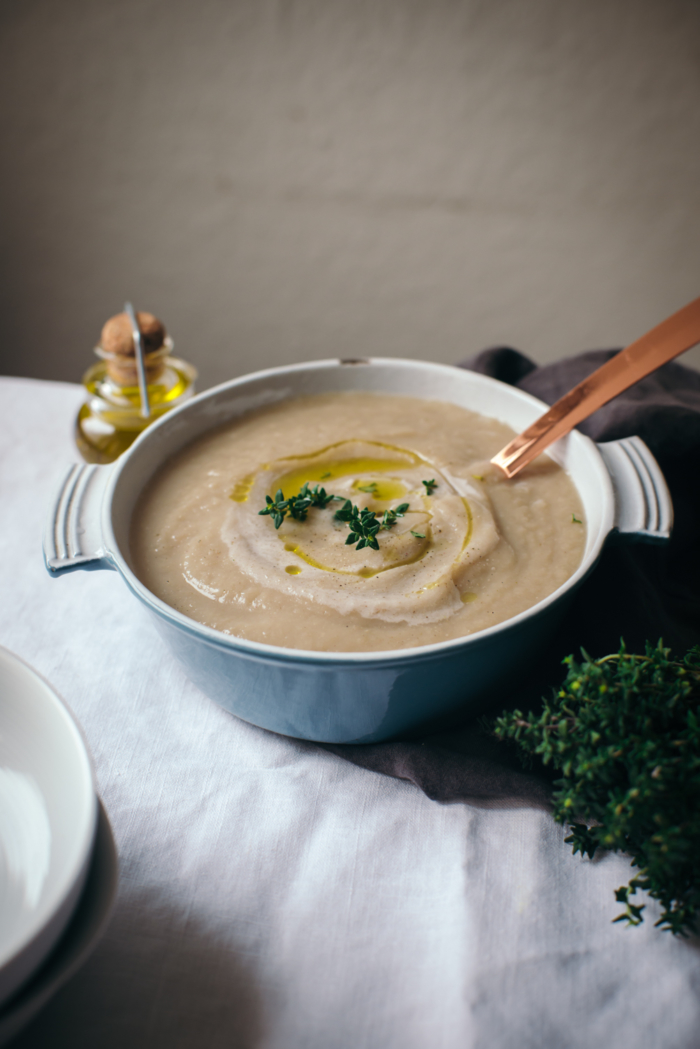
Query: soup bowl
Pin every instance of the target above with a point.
(355, 697)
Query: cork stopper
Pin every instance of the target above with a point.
(117, 344)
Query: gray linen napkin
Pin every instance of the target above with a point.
(637, 592)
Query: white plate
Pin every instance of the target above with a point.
(48, 814)
(78, 941)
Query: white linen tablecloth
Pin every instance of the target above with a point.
(274, 896)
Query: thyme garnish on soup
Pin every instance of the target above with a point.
(364, 524)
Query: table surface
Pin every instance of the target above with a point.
(274, 896)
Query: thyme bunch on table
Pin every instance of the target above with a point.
(625, 733)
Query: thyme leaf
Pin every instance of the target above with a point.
(429, 486)
(390, 517)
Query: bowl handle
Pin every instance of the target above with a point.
(643, 507)
(73, 534)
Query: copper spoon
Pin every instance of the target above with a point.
(675, 335)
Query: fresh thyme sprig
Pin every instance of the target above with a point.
(316, 496)
(429, 486)
(297, 505)
(625, 733)
(363, 525)
(276, 508)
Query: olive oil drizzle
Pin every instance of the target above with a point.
(383, 491)
(330, 470)
(363, 573)
(241, 490)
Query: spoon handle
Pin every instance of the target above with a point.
(675, 335)
(140, 361)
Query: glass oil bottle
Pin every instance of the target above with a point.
(110, 420)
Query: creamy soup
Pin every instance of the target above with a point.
(401, 534)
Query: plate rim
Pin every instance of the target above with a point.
(80, 937)
(51, 921)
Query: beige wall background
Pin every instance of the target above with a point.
(283, 180)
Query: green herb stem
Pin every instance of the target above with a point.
(624, 731)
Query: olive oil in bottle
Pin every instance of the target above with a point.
(110, 420)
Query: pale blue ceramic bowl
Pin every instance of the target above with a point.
(347, 697)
